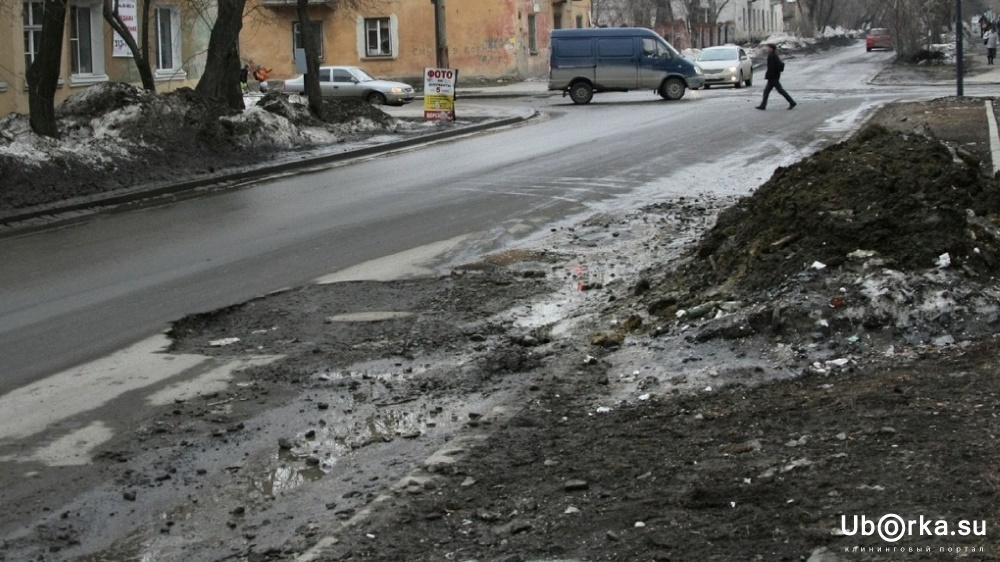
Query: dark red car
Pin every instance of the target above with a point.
(878, 38)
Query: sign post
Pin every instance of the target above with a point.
(439, 94)
(129, 15)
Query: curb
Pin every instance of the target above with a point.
(8, 223)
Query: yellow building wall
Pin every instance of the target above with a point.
(11, 48)
(13, 82)
(485, 38)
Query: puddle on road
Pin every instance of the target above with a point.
(286, 477)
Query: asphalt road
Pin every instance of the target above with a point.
(76, 293)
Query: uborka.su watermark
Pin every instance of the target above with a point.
(891, 527)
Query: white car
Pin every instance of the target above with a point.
(354, 82)
(726, 65)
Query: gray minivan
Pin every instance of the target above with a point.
(619, 59)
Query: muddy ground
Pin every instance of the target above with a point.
(693, 380)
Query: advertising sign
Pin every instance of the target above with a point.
(127, 11)
(439, 94)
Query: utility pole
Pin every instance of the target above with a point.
(440, 34)
(959, 31)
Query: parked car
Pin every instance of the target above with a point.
(354, 82)
(590, 60)
(726, 65)
(878, 38)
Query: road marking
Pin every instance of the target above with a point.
(61, 408)
(403, 265)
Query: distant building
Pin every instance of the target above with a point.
(396, 38)
(710, 22)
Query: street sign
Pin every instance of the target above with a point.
(439, 94)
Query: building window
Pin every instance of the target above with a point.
(167, 26)
(316, 27)
(556, 21)
(80, 59)
(579, 21)
(532, 32)
(378, 40)
(86, 43)
(32, 21)
(166, 36)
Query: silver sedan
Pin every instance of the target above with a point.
(354, 82)
(726, 65)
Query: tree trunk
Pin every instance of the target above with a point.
(43, 74)
(221, 80)
(139, 56)
(310, 82)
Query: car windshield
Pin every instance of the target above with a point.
(717, 54)
(877, 32)
(361, 75)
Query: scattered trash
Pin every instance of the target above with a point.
(943, 261)
(223, 341)
(603, 410)
(818, 265)
(699, 310)
(861, 254)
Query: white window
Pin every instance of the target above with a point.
(86, 45)
(378, 37)
(32, 21)
(81, 60)
(169, 64)
(316, 27)
(378, 40)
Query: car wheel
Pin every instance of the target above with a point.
(672, 89)
(739, 83)
(581, 93)
(376, 98)
(869, 49)
(750, 80)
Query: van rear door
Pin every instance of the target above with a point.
(617, 63)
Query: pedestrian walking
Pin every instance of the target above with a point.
(775, 67)
(991, 44)
(244, 78)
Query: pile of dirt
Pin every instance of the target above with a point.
(900, 195)
(115, 136)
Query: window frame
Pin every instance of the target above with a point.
(297, 36)
(94, 22)
(81, 56)
(532, 34)
(382, 45)
(176, 69)
(361, 28)
(32, 30)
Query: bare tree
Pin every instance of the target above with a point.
(310, 43)
(310, 82)
(43, 74)
(220, 81)
(139, 54)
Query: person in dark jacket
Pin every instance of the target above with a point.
(245, 78)
(773, 76)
